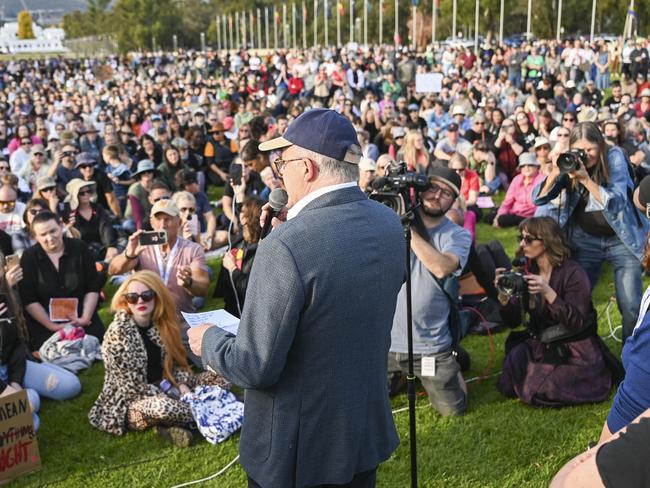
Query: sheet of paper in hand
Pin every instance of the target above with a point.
(63, 309)
(18, 446)
(220, 318)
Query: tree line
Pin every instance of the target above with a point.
(148, 24)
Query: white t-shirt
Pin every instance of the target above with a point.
(12, 222)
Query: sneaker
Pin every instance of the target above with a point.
(177, 436)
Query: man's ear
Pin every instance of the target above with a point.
(311, 170)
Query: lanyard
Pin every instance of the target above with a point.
(166, 271)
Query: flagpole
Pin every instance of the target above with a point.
(476, 26)
(275, 27)
(243, 29)
(351, 20)
(326, 22)
(237, 29)
(381, 22)
(259, 29)
(454, 12)
(230, 31)
(218, 26)
(593, 20)
(396, 20)
(304, 25)
(293, 25)
(338, 23)
(501, 21)
(266, 26)
(285, 42)
(365, 22)
(528, 19)
(252, 30)
(415, 27)
(315, 22)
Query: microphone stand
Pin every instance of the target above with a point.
(407, 218)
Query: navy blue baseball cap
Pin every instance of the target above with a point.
(323, 131)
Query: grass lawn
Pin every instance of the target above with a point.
(498, 443)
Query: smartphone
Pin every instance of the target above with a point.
(153, 238)
(12, 261)
(235, 173)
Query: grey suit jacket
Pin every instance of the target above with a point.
(313, 343)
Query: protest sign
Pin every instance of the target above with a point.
(18, 446)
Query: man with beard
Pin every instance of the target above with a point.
(440, 249)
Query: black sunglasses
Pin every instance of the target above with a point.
(85, 192)
(146, 296)
(528, 239)
(160, 198)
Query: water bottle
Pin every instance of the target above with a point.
(170, 390)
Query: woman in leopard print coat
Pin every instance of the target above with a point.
(141, 347)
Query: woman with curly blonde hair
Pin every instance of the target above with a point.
(143, 355)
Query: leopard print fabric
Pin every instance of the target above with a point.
(127, 400)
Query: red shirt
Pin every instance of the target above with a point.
(295, 85)
(470, 181)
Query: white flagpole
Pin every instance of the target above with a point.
(454, 13)
(365, 22)
(476, 26)
(266, 26)
(237, 29)
(275, 27)
(326, 21)
(293, 25)
(315, 22)
(338, 25)
(593, 21)
(304, 26)
(528, 19)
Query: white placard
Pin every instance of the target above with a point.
(220, 318)
(428, 82)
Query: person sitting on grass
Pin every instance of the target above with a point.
(17, 372)
(58, 267)
(518, 203)
(142, 348)
(559, 359)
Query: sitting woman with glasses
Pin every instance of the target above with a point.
(558, 359)
(24, 239)
(58, 268)
(91, 220)
(146, 370)
(598, 215)
(46, 190)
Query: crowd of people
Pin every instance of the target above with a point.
(549, 137)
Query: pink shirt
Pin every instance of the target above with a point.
(188, 253)
(518, 199)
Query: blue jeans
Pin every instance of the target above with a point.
(591, 252)
(51, 381)
(35, 403)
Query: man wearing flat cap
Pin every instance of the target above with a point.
(313, 340)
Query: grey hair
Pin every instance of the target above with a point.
(183, 195)
(333, 168)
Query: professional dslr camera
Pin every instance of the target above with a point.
(512, 283)
(393, 189)
(569, 161)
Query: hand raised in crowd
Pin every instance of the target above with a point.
(279, 219)
(186, 230)
(133, 248)
(184, 276)
(13, 275)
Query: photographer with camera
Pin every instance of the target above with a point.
(440, 250)
(559, 359)
(599, 218)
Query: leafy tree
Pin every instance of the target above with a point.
(140, 22)
(25, 30)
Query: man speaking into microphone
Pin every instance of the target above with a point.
(313, 341)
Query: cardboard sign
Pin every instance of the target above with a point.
(63, 309)
(428, 82)
(18, 446)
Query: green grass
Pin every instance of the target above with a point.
(498, 443)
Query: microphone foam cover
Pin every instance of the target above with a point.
(278, 199)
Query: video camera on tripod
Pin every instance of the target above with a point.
(394, 189)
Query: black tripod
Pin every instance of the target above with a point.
(407, 218)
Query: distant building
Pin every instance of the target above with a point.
(48, 40)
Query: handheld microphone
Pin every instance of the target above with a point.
(278, 200)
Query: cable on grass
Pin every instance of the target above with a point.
(212, 476)
(612, 330)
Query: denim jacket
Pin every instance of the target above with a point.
(617, 207)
